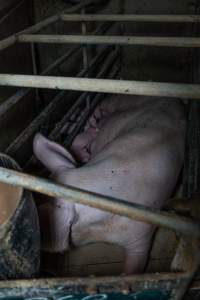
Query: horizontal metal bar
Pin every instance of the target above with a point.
(93, 104)
(131, 18)
(111, 40)
(14, 99)
(107, 64)
(41, 288)
(49, 109)
(123, 208)
(146, 88)
(56, 132)
(44, 23)
(7, 42)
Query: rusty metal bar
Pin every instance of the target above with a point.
(131, 18)
(38, 121)
(180, 90)
(37, 27)
(123, 208)
(7, 42)
(111, 40)
(107, 284)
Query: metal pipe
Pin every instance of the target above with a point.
(94, 102)
(5, 43)
(123, 208)
(177, 90)
(131, 18)
(35, 69)
(85, 50)
(111, 40)
(45, 288)
(13, 100)
(38, 121)
(11, 11)
(10, 102)
(107, 63)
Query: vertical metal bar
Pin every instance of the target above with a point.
(85, 53)
(35, 69)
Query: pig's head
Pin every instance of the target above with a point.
(52, 155)
(57, 215)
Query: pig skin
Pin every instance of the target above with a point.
(136, 155)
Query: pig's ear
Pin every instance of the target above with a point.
(52, 155)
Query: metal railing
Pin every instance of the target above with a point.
(187, 227)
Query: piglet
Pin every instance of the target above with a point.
(136, 154)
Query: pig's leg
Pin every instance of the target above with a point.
(136, 259)
(138, 247)
(56, 218)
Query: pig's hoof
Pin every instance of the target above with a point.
(19, 230)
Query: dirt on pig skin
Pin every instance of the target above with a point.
(136, 154)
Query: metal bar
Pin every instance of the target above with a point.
(10, 102)
(13, 100)
(38, 121)
(85, 50)
(55, 133)
(123, 208)
(180, 90)
(7, 42)
(131, 18)
(41, 25)
(107, 284)
(102, 28)
(106, 66)
(37, 27)
(35, 68)
(11, 11)
(84, 118)
(111, 40)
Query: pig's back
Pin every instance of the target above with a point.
(137, 154)
(133, 117)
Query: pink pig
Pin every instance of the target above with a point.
(136, 154)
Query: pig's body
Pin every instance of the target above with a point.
(136, 155)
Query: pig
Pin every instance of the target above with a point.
(136, 155)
